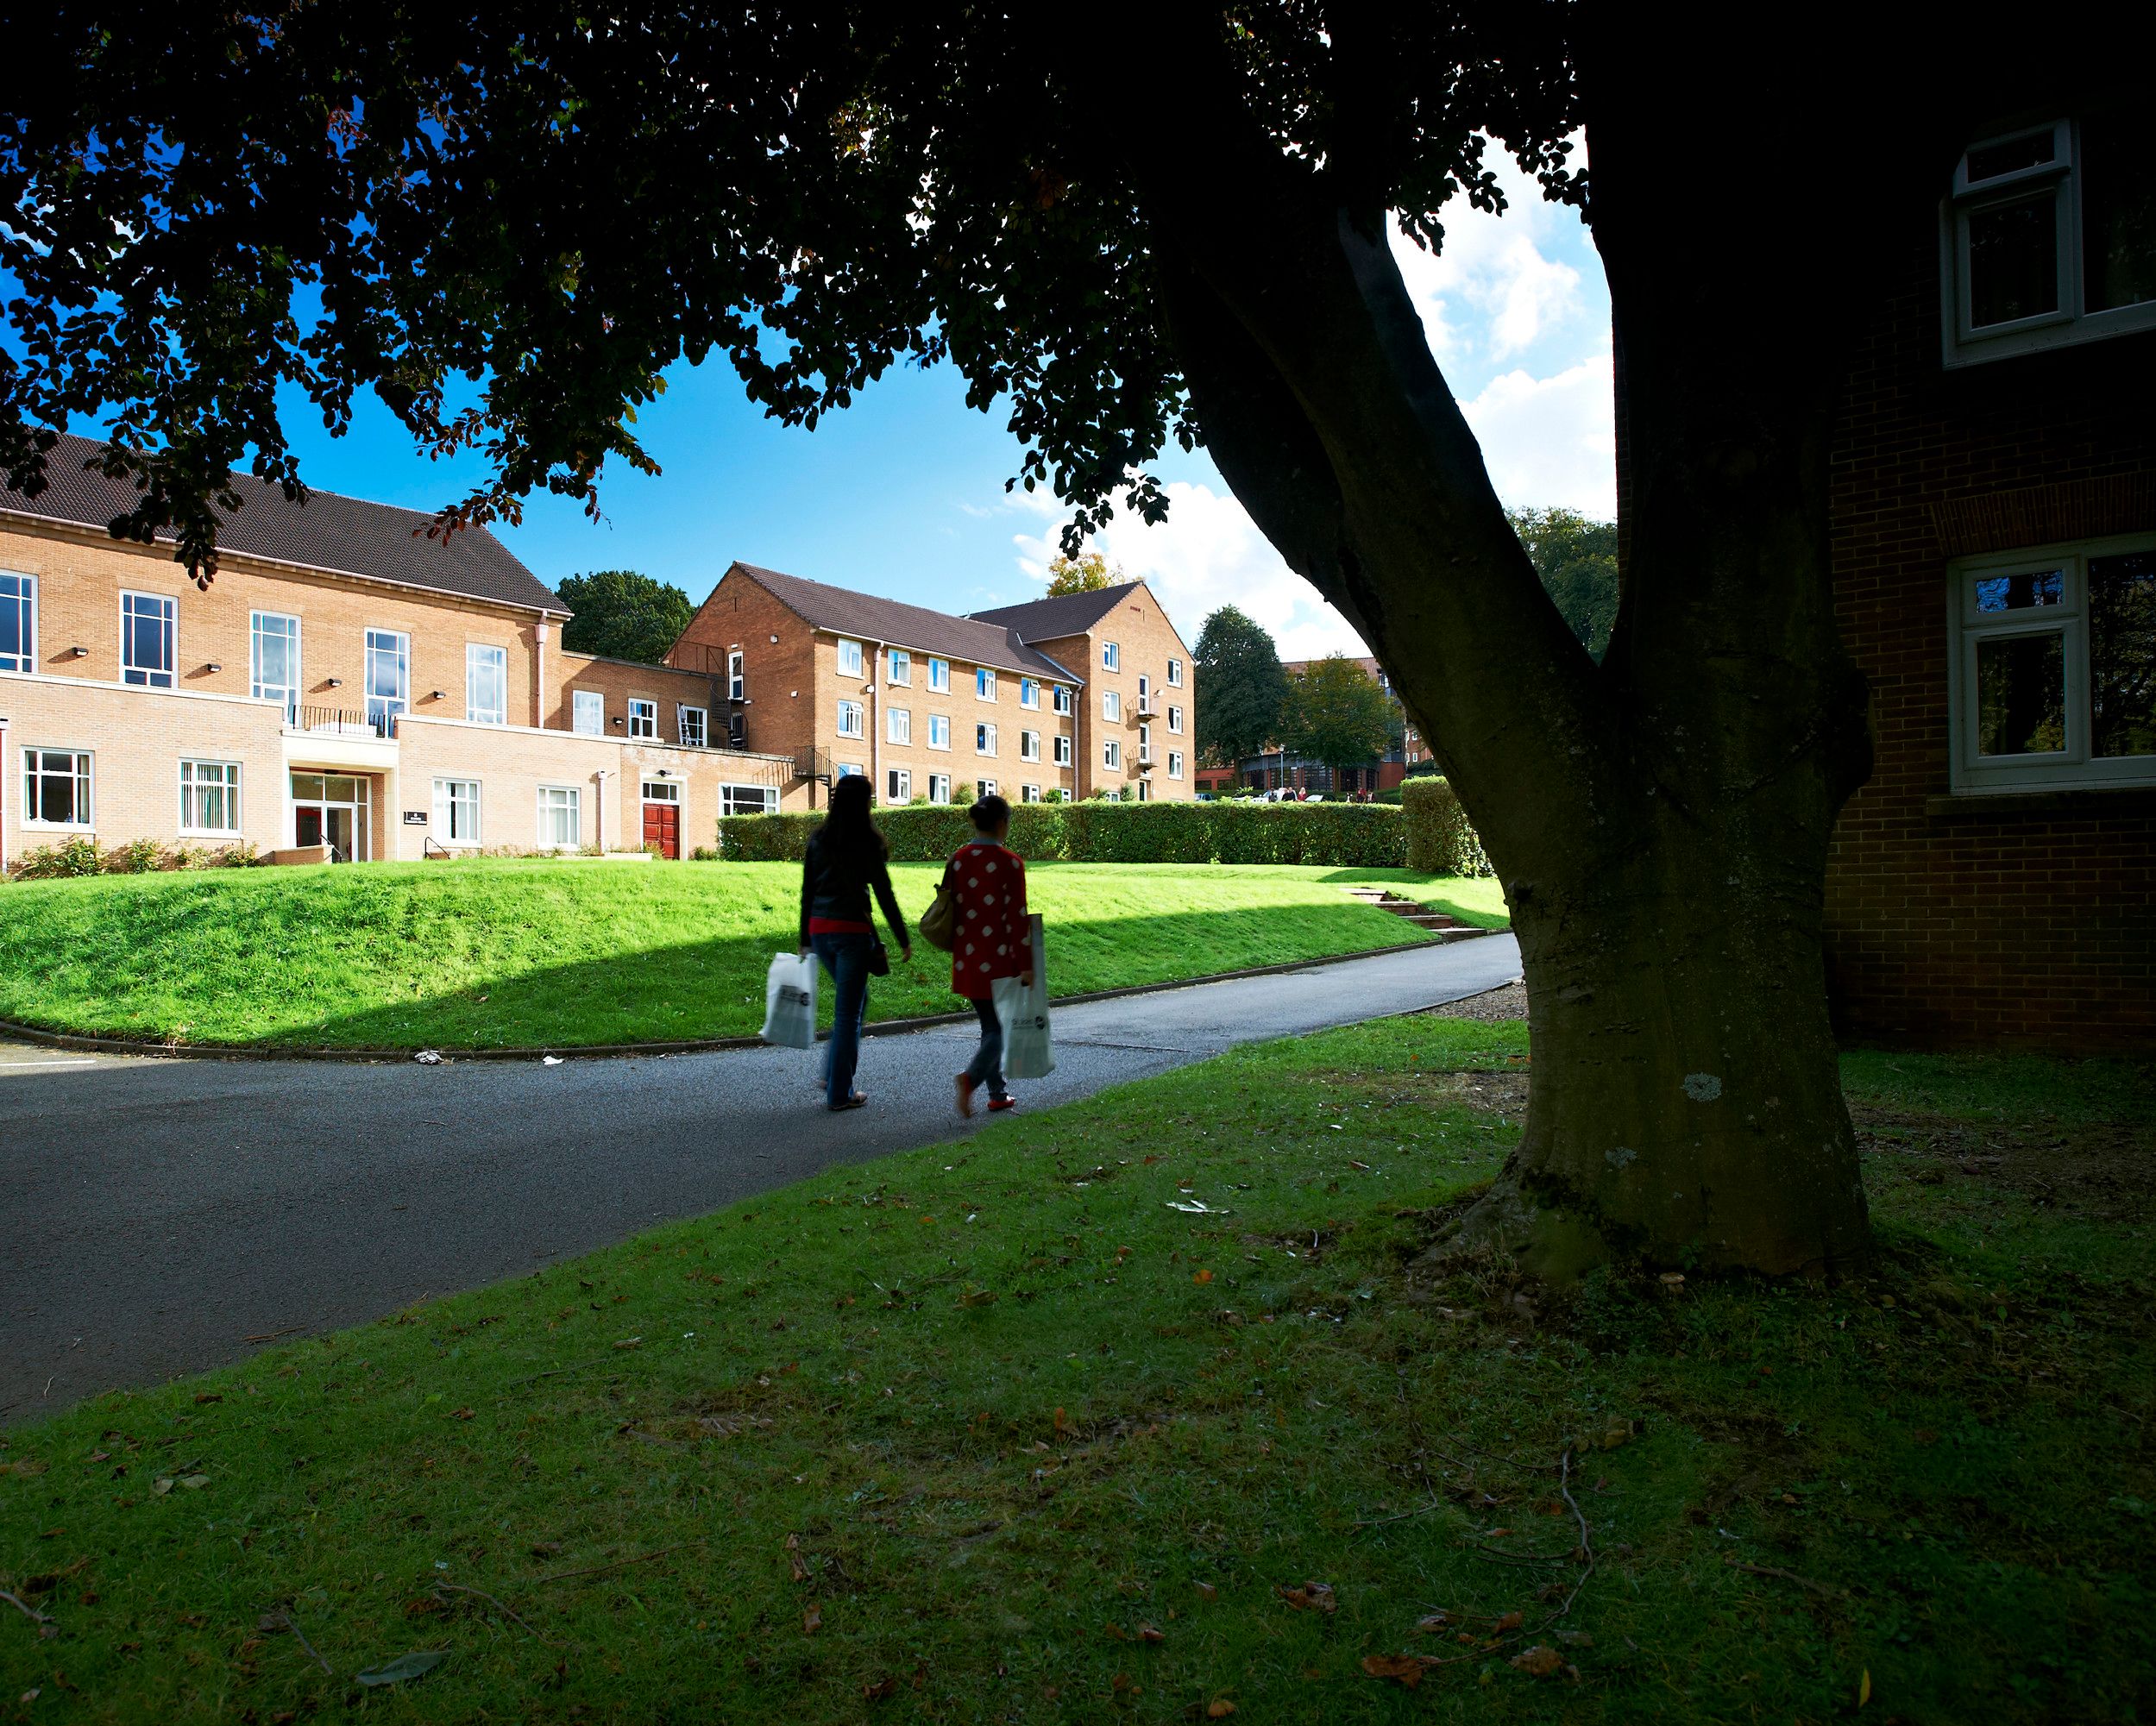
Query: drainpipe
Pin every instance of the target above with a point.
(538, 674)
(873, 714)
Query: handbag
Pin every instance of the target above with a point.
(939, 924)
(879, 957)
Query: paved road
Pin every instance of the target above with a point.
(160, 1215)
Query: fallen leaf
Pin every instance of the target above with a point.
(417, 1663)
(1406, 1669)
(1219, 1708)
(460, 1415)
(1201, 1276)
(629, 1342)
(1510, 1620)
(194, 1483)
(1150, 1633)
(811, 1619)
(1311, 1597)
(1540, 1661)
(209, 1396)
(882, 1689)
(161, 1487)
(1207, 1591)
(1433, 1624)
(1352, 1164)
(793, 1557)
(1864, 1688)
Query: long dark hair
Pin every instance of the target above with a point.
(848, 834)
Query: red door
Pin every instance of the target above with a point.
(662, 828)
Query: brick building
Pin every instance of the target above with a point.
(1993, 515)
(1275, 768)
(1026, 701)
(346, 687)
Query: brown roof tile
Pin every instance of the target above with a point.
(845, 612)
(1059, 614)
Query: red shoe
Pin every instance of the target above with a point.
(996, 1105)
(967, 1087)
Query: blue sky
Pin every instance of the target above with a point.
(902, 494)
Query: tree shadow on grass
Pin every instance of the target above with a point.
(1411, 884)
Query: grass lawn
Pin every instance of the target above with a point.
(495, 954)
(1015, 1431)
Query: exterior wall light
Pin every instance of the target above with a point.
(82, 653)
(213, 667)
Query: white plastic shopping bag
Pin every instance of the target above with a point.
(789, 1001)
(1023, 1012)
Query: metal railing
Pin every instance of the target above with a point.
(340, 722)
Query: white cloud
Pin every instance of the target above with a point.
(1551, 440)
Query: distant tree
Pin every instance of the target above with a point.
(623, 615)
(1085, 573)
(1576, 559)
(1240, 687)
(1335, 712)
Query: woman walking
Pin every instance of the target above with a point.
(993, 939)
(847, 859)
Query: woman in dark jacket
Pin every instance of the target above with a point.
(847, 859)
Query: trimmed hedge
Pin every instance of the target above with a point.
(1439, 839)
(1332, 835)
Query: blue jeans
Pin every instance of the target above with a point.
(987, 1065)
(846, 958)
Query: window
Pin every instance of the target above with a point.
(1111, 706)
(18, 623)
(209, 796)
(1111, 656)
(850, 770)
(644, 719)
(850, 719)
(457, 811)
(588, 709)
(1029, 746)
(899, 788)
(1029, 794)
(1175, 674)
(939, 730)
(748, 800)
(1175, 763)
(2049, 237)
(985, 739)
(1175, 721)
(662, 790)
(849, 659)
(983, 684)
(149, 645)
(940, 676)
(1028, 692)
(272, 660)
(898, 724)
(1063, 752)
(560, 817)
(1145, 792)
(737, 679)
(901, 675)
(2053, 679)
(984, 788)
(388, 678)
(486, 684)
(1145, 694)
(693, 726)
(1112, 753)
(1063, 698)
(56, 787)
(1145, 742)
(938, 787)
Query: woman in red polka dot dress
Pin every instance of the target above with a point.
(993, 939)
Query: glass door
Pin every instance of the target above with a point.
(333, 809)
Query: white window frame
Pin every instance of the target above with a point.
(1029, 746)
(257, 638)
(392, 647)
(852, 770)
(2072, 768)
(1112, 706)
(983, 738)
(939, 730)
(163, 608)
(84, 774)
(1111, 655)
(1145, 740)
(938, 787)
(449, 794)
(1175, 674)
(480, 657)
(1175, 722)
(985, 787)
(1112, 753)
(737, 675)
(1062, 751)
(850, 661)
(899, 784)
(1030, 692)
(661, 791)
(898, 724)
(733, 800)
(939, 677)
(984, 683)
(2059, 177)
(1029, 794)
(591, 703)
(644, 719)
(852, 719)
(190, 781)
(682, 712)
(24, 599)
(1175, 763)
(574, 807)
(899, 669)
(1063, 698)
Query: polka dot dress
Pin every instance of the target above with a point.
(994, 932)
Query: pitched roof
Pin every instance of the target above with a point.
(844, 612)
(1059, 614)
(337, 535)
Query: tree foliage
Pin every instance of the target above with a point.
(1337, 712)
(1241, 687)
(1087, 573)
(623, 615)
(1576, 559)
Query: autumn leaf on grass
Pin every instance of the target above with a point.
(405, 1667)
(1407, 1669)
(1510, 1620)
(462, 1414)
(1201, 1275)
(1540, 1661)
(811, 1619)
(1311, 1597)
(793, 1557)
(1207, 1591)
(1434, 1624)
(1219, 1708)
(1150, 1633)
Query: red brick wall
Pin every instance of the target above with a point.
(2005, 921)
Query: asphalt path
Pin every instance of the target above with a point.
(164, 1216)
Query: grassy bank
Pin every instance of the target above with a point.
(499, 954)
(1013, 1431)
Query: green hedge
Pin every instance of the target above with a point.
(1439, 839)
(1333, 835)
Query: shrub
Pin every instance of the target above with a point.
(1439, 839)
(136, 856)
(240, 854)
(54, 862)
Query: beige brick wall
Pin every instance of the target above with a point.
(780, 684)
(1146, 641)
(618, 681)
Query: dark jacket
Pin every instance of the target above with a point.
(837, 889)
